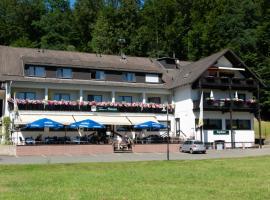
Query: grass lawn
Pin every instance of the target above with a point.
(245, 178)
(265, 129)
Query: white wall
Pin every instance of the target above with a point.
(184, 109)
(240, 135)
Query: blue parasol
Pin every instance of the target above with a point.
(44, 122)
(88, 123)
(150, 125)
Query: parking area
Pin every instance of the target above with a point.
(117, 157)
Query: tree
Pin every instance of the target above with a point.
(16, 22)
(103, 36)
(85, 16)
(56, 25)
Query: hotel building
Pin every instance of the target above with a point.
(122, 91)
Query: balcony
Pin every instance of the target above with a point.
(224, 83)
(224, 105)
(89, 106)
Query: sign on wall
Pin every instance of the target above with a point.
(221, 132)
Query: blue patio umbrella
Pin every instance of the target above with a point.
(44, 122)
(150, 125)
(88, 123)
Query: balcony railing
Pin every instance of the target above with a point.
(224, 82)
(89, 106)
(224, 105)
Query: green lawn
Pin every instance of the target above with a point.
(265, 129)
(245, 178)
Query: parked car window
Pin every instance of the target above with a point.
(198, 142)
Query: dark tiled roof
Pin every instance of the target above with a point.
(13, 58)
(188, 74)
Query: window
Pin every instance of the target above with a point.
(177, 126)
(238, 124)
(212, 72)
(151, 78)
(26, 95)
(99, 75)
(154, 100)
(226, 74)
(64, 73)
(61, 96)
(242, 96)
(129, 77)
(206, 95)
(165, 123)
(37, 71)
(96, 98)
(127, 99)
(211, 124)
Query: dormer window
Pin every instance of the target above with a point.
(64, 73)
(98, 75)
(37, 71)
(129, 77)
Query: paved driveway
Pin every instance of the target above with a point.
(116, 157)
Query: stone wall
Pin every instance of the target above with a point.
(7, 150)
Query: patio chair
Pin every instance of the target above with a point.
(22, 142)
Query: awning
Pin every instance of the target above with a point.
(139, 120)
(28, 118)
(68, 119)
(106, 120)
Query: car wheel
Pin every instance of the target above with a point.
(191, 151)
(204, 152)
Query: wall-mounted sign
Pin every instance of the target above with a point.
(221, 132)
(107, 109)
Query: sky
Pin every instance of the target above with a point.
(72, 2)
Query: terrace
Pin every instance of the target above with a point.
(89, 106)
(225, 82)
(224, 105)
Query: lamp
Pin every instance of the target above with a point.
(166, 108)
